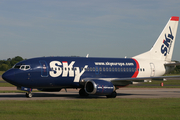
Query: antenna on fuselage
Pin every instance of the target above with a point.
(87, 55)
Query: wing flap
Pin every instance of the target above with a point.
(144, 78)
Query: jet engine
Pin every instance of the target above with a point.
(99, 87)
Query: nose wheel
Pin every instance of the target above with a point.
(29, 94)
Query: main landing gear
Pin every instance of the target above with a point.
(83, 93)
(29, 94)
(112, 95)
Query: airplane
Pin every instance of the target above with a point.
(96, 76)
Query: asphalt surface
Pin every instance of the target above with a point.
(72, 94)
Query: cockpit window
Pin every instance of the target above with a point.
(25, 67)
(22, 67)
(17, 66)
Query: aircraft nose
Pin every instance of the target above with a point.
(8, 76)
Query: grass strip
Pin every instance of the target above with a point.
(1, 72)
(128, 109)
(5, 84)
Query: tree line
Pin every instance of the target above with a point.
(9, 63)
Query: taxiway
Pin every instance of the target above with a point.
(73, 94)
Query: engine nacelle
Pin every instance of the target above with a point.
(99, 87)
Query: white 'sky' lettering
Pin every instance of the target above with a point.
(66, 70)
(166, 46)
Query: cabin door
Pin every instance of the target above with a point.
(152, 69)
(44, 68)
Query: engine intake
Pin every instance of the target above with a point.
(99, 87)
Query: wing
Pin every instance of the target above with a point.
(127, 81)
(119, 81)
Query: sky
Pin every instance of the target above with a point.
(100, 28)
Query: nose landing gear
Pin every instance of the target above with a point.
(29, 94)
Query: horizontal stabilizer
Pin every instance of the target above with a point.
(172, 64)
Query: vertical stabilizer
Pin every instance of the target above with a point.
(163, 47)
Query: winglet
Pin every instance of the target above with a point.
(174, 18)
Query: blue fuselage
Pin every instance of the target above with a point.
(56, 72)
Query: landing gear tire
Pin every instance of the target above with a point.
(29, 94)
(83, 93)
(112, 95)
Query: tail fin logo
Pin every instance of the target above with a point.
(167, 42)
